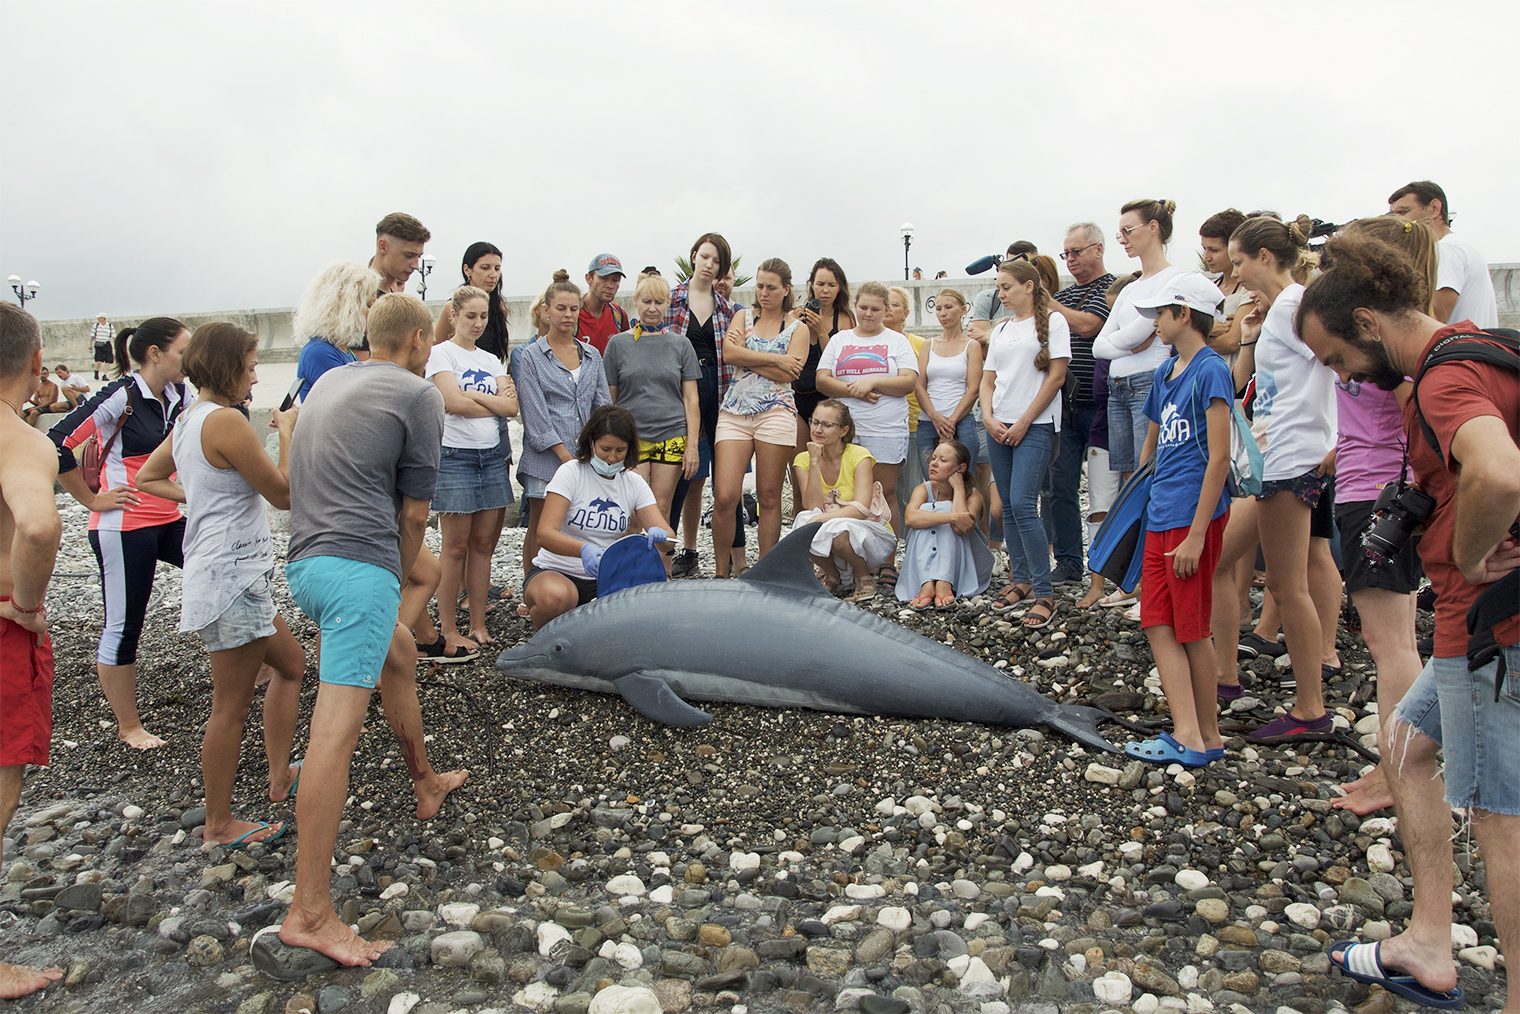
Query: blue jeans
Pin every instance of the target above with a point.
(1061, 507)
(1127, 424)
(1457, 710)
(1018, 472)
(928, 440)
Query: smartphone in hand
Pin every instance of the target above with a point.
(290, 395)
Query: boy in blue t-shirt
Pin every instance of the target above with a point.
(1189, 409)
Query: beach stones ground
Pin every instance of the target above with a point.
(773, 861)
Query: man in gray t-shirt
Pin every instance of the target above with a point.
(364, 460)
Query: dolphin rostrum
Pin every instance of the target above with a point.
(775, 638)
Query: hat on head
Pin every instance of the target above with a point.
(1191, 289)
(606, 264)
(102, 314)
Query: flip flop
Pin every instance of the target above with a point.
(500, 593)
(1166, 750)
(944, 603)
(920, 602)
(290, 795)
(440, 652)
(243, 842)
(1364, 963)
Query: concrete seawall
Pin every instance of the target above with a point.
(67, 341)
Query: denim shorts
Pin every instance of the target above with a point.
(534, 488)
(250, 617)
(1127, 424)
(354, 604)
(1456, 709)
(472, 479)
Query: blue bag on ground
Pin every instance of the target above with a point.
(629, 561)
(1118, 550)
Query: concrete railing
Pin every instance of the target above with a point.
(67, 341)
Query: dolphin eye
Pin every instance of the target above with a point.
(559, 646)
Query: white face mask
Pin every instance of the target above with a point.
(606, 469)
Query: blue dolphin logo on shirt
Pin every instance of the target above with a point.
(477, 380)
(603, 506)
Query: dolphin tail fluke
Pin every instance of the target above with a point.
(653, 698)
(1081, 724)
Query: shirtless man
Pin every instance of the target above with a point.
(45, 398)
(29, 534)
(363, 463)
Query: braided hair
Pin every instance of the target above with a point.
(1021, 272)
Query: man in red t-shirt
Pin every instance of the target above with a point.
(601, 318)
(1367, 321)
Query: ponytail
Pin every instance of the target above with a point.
(1288, 242)
(1159, 212)
(133, 343)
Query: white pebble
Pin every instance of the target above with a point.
(662, 895)
(131, 812)
(1113, 988)
(625, 1000)
(402, 1003)
(894, 918)
(458, 913)
(549, 934)
(741, 861)
(1463, 936)
(841, 913)
(1191, 880)
(1302, 914)
(864, 892)
(1146, 1004)
(1380, 858)
(974, 921)
(965, 889)
(1058, 873)
(628, 956)
(618, 742)
(919, 805)
(540, 996)
(626, 884)
(396, 890)
(1483, 957)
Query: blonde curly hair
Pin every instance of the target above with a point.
(336, 305)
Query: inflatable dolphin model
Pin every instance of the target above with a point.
(775, 638)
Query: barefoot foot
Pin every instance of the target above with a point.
(456, 641)
(481, 637)
(1367, 794)
(141, 739)
(333, 939)
(19, 980)
(431, 791)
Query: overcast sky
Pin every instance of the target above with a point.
(167, 156)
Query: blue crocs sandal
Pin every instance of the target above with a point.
(1215, 754)
(1166, 750)
(1364, 963)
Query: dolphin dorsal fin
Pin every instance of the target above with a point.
(788, 565)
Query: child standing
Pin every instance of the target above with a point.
(1189, 412)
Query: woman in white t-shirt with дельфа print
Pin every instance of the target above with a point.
(473, 488)
(587, 507)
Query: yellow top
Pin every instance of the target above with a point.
(854, 454)
(918, 344)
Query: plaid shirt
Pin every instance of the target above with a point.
(679, 316)
(555, 405)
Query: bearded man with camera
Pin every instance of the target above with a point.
(1363, 318)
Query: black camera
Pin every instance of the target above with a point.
(1400, 509)
(813, 305)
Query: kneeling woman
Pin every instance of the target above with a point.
(947, 555)
(587, 506)
(225, 477)
(838, 490)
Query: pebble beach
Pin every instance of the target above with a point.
(775, 860)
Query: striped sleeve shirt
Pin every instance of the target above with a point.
(101, 334)
(1089, 298)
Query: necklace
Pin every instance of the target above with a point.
(19, 413)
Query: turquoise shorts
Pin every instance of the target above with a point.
(355, 606)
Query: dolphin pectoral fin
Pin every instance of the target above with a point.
(653, 698)
(789, 566)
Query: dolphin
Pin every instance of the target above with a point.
(775, 638)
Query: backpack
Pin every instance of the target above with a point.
(1246, 461)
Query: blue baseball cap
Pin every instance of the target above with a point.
(606, 264)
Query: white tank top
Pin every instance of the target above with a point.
(227, 542)
(945, 379)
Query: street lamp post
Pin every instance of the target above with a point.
(23, 292)
(907, 235)
(425, 269)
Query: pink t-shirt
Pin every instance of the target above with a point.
(1370, 451)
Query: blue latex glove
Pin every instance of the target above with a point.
(657, 537)
(591, 559)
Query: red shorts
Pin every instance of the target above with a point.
(26, 695)
(1167, 600)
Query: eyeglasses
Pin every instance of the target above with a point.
(822, 425)
(1067, 255)
(1125, 230)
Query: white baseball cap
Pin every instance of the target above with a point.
(1191, 289)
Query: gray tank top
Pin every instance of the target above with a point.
(227, 541)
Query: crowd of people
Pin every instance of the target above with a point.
(984, 436)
